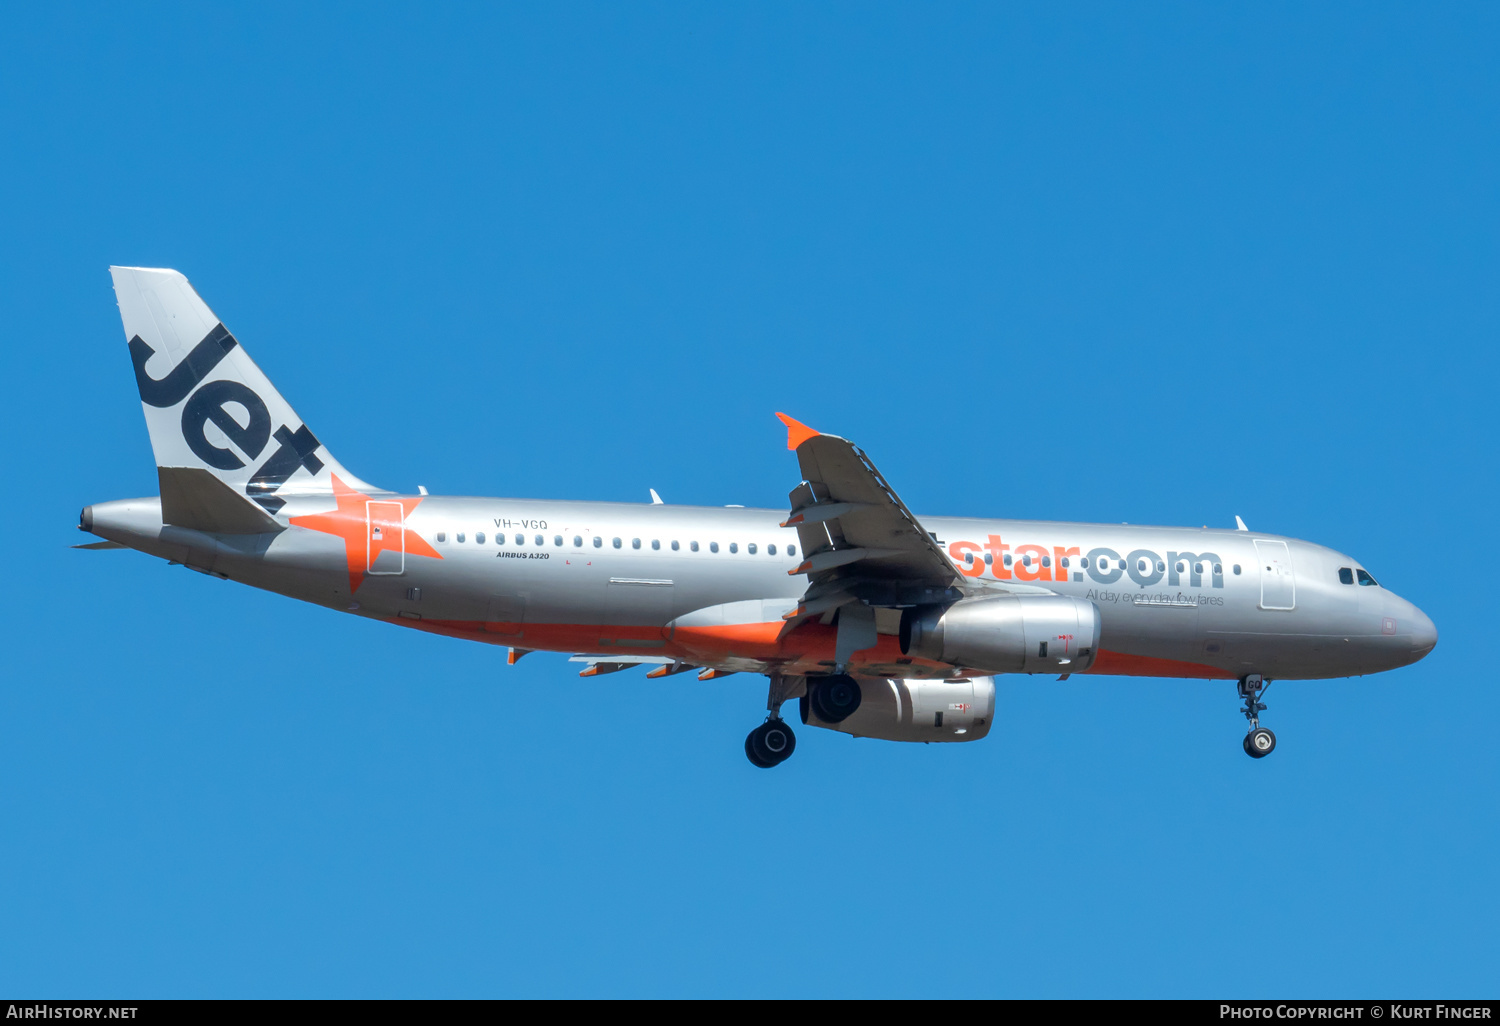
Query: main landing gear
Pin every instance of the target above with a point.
(832, 698)
(1259, 742)
(773, 742)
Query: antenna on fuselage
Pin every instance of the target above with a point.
(1239, 525)
(655, 499)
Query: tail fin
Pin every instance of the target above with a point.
(208, 407)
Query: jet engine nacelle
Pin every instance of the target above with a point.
(1006, 634)
(917, 710)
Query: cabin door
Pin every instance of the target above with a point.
(385, 538)
(1278, 588)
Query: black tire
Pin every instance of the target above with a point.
(770, 744)
(835, 698)
(751, 753)
(777, 740)
(1260, 743)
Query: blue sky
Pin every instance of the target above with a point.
(1149, 263)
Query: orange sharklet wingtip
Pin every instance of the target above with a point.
(796, 431)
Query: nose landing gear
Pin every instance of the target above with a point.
(1259, 742)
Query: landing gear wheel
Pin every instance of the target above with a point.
(770, 744)
(1260, 743)
(834, 698)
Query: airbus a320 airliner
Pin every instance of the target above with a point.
(881, 624)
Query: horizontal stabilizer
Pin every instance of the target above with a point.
(196, 499)
(102, 545)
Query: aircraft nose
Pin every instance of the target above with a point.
(1423, 633)
(1411, 621)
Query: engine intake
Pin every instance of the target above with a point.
(1006, 634)
(917, 710)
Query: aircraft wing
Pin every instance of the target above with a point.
(858, 538)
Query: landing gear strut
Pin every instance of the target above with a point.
(773, 742)
(1259, 742)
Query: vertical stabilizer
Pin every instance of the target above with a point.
(208, 406)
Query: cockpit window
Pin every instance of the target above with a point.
(1366, 580)
(1346, 575)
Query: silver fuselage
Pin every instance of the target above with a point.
(702, 584)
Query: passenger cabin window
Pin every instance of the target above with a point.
(791, 550)
(1007, 559)
(635, 543)
(656, 543)
(989, 558)
(734, 546)
(459, 537)
(578, 541)
(499, 539)
(598, 541)
(1084, 562)
(1236, 569)
(520, 539)
(557, 539)
(693, 546)
(770, 550)
(713, 546)
(675, 546)
(1366, 580)
(442, 536)
(1346, 575)
(616, 543)
(540, 540)
(478, 537)
(1046, 561)
(750, 548)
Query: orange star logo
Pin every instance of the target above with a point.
(368, 527)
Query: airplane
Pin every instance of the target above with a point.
(880, 624)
